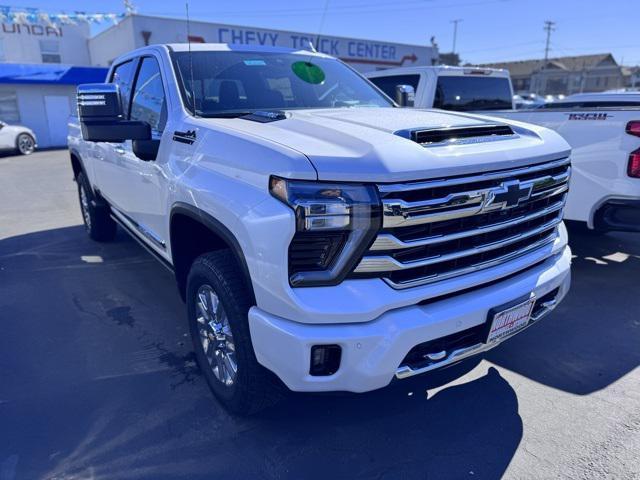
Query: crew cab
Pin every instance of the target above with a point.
(603, 130)
(321, 237)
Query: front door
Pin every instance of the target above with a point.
(145, 205)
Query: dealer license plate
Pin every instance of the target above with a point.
(507, 322)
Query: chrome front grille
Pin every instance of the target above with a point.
(443, 228)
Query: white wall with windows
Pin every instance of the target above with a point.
(68, 44)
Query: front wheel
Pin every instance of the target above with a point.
(218, 302)
(25, 144)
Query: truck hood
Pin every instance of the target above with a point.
(361, 144)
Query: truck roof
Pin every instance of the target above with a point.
(228, 47)
(442, 70)
(603, 97)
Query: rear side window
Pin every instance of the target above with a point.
(463, 94)
(388, 84)
(123, 77)
(149, 102)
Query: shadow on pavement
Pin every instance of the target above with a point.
(98, 379)
(591, 340)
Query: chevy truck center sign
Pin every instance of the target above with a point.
(364, 55)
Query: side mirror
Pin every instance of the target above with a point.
(405, 95)
(101, 116)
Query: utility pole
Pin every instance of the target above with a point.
(549, 27)
(455, 33)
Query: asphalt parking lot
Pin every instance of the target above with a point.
(97, 377)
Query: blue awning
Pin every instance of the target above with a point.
(50, 73)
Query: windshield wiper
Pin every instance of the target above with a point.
(226, 114)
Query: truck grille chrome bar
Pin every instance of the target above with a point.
(440, 229)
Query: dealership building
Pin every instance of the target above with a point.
(40, 65)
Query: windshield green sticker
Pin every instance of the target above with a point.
(308, 72)
(253, 63)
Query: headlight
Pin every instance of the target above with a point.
(335, 224)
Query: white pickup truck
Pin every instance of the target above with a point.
(602, 129)
(316, 231)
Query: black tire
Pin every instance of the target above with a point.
(97, 221)
(25, 144)
(254, 387)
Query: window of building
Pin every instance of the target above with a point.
(9, 112)
(50, 51)
(2, 59)
(149, 103)
(388, 84)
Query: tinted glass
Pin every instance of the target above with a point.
(123, 77)
(388, 84)
(248, 81)
(149, 102)
(472, 93)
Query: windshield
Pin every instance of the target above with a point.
(463, 94)
(242, 82)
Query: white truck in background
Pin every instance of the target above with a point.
(602, 129)
(317, 233)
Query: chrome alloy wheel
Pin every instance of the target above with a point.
(215, 335)
(25, 144)
(84, 206)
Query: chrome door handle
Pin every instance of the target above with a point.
(119, 150)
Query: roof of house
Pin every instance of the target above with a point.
(527, 67)
(50, 73)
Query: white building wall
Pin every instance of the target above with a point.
(364, 55)
(34, 114)
(24, 43)
(112, 42)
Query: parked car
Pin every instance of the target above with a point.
(321, 237)
(603, 130)
(18, 138)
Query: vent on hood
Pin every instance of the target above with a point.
(458, 135)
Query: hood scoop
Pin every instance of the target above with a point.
(432, 137)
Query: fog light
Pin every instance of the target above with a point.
(325, 360)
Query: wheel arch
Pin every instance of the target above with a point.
(193, 232)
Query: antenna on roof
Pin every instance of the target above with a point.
(193, 85)
(320, 27)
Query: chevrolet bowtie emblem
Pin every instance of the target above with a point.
(508, 194)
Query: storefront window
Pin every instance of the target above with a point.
(9, 112)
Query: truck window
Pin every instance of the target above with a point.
(123, 77)
(467, 93)
(149, 102)
(228, 82)
(388, 84)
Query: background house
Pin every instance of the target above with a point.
(565, 75)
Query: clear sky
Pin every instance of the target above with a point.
(489, 31)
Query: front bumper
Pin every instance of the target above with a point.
(372, 352)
